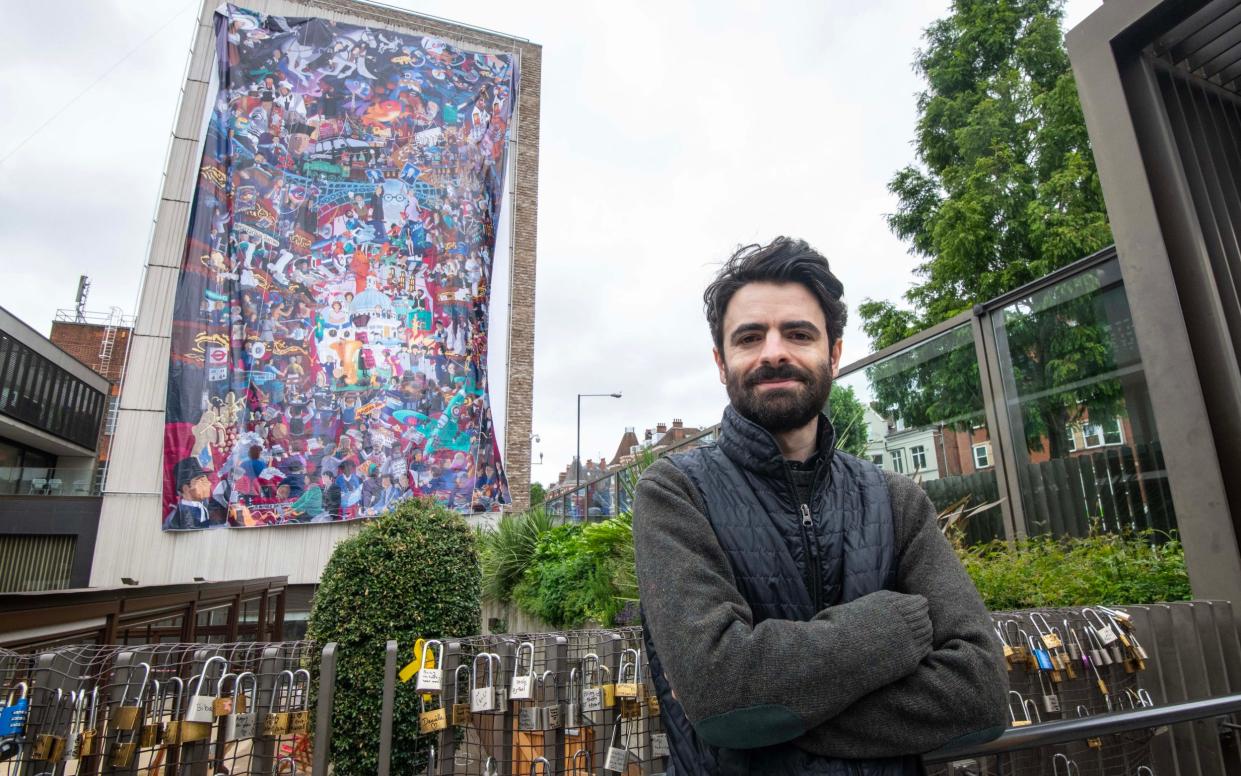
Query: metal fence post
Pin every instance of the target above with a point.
(385, 714)
(323, 712)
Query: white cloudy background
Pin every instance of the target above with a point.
(671, 132)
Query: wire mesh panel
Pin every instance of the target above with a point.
(160, 709)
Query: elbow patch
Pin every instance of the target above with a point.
(751, 727)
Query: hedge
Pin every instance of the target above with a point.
(412, 572)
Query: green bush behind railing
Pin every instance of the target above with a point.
(578, 574)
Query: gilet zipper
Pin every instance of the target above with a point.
(809, 540)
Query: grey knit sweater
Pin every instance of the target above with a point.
(892, 673)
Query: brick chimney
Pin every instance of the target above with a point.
(661, 428)
(676, 423)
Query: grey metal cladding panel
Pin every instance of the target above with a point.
(1197, 686)
(1191, 35)
(1209, 634)
(1183, 746)
(1229, 651)
(1152, 680)
(171, 225)
(204, 53)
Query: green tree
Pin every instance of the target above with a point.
(848, 418)
(1004, 190)
(537, 494)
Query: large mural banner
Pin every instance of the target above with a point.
(329, 341)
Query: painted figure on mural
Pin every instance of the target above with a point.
(338, 264)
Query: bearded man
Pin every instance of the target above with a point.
(803, 613)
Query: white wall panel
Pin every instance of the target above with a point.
(159, 291)
(168, 243)
(151, 393)
(136, 464)
(183, 163)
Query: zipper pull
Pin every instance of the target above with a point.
(805, 516)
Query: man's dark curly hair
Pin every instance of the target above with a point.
(783, 260)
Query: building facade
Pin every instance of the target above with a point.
(131, 541)
(51, 412)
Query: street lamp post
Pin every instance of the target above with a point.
(577, 462)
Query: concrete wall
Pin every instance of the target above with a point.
(130, 540)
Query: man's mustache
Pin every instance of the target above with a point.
(768, 373)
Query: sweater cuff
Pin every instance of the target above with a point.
(913, 609)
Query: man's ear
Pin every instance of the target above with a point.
(837, 348)
(719, 363)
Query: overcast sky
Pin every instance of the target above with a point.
(671, 133)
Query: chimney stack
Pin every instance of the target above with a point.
(676, 423)
(661, 428)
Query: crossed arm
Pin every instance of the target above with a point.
(894, 672)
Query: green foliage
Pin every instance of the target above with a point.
(537, 494)
(411, 572)
(1131, 568)
(508, 550)
(848, 418)
(580, 573)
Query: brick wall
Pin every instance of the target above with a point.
(83, 341)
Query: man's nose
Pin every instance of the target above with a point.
(774, 350)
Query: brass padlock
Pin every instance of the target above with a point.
(460, 710)
(128, 714)
(278, 722)
(174, 687)
(299, 718)
(607, 688)
(50, 746)
(152, 731)
(629, 675)
(431, 720)
(123, 754)
(652, 701)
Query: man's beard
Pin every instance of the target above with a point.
(780, 409)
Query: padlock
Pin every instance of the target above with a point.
(77, 724)
(522, 686)
(222, 706)
(1101, 627)
(431, 720)
(50, 746)
(528, 718)
(127, 715)
(299, 717)
(659, 745)
(1117, 652)
(549, 700)
(460, 710)
(608, 688)
(618, 751)
(501, 694)
(1024, 719)
(89, 740)
(151, 731)
(277, 723)
(1047, 634)
(482, 697)
(13, 715)
(242, 723)
(1069, 769)
(1051, 703)
(629, 675)
(201, 707)
(652, 701)
(582, 763)
(174, 689)
(592, 694)
(573, 700)
(536, 762)
(430, 672)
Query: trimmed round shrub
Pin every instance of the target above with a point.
(411, 573)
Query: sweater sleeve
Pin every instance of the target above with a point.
(744, 685)
(958, 692)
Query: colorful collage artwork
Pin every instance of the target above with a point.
(329, 342)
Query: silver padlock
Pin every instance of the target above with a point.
(550, 717)
(431, 679)
(243, 722)
(659, 745)
(536, 762)
(582, 763)
(528, 718)
(522, 686)
(482, 697)
(618, 751)
(201, 707)
(592, 689)
(573, 700)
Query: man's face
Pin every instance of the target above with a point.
(199, 488)
(776, 364)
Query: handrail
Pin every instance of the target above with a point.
(1063, 731)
